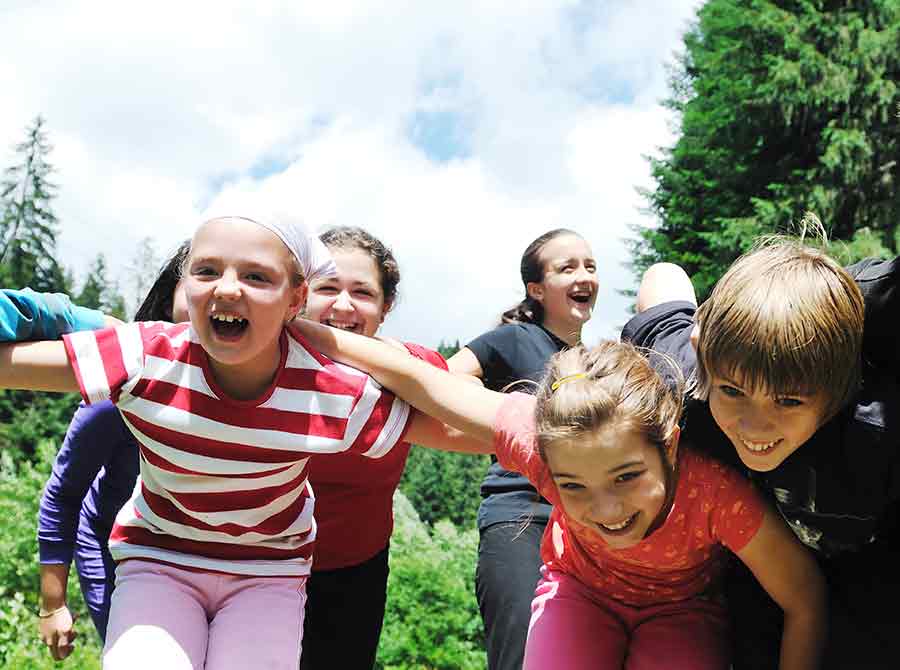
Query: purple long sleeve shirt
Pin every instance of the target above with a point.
(93, 476)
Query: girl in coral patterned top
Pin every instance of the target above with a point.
(640, 530)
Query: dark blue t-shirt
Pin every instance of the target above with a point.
(512, 357)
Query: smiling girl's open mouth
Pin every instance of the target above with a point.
(228, 326)
(582, 297)
(619, 528)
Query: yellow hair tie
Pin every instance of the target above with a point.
(565, 380)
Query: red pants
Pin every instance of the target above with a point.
(575, 627)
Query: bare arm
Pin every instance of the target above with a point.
(664, 282)
(36, 366)
(427, 431)
(466, 363)
(789, 573)
(440, 394)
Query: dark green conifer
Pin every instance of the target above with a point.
(28, 225)
(782, 107)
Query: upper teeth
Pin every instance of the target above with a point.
(343, 326)
(618, 526)
(758, 446)
(227, 317)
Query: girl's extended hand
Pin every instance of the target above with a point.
(57, 632)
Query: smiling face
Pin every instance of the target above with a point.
(353, 299)
(238, 286)
(765, 429)
(613, 482)
(569, 286)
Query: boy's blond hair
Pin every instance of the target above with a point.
(786, 319)
(585, 389)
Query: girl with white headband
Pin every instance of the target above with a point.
(214, 547)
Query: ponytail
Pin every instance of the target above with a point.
(527, 311)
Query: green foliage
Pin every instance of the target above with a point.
(432, 618)
(28, 418)
(28, 226)
(783, 107)
(444, 485)
(100, 292)
(447, 350)
(21, 484)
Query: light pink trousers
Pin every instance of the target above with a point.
(165, 617)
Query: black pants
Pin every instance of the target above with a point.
(864, 614)
(344, 614)
(508, 570)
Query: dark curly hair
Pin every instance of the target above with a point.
(353, 237)
(157, 306)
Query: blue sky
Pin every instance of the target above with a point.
(457, 132)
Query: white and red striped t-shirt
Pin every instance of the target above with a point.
(223, 482)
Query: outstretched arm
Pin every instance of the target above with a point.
(788, 572)
(664, 282)
(442, 395)
(36, 366)
(426, 431)
(29, 315)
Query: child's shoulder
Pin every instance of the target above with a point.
(506, 333)
(517, 409)
(702, 467)
(305, 367)
(157, 334)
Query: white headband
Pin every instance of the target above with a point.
(312, 255)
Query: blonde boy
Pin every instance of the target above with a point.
(785, 381)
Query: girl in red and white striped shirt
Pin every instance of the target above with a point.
(215, 545)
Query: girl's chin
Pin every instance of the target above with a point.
(581, 314)
(621, 542)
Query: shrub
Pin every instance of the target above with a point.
(432, 618)
(21, 484)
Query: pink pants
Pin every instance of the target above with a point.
(575, 627)
(165, 617)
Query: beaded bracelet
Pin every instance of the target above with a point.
(43, 614)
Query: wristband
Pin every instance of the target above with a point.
(44, 614)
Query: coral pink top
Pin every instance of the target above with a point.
(715, 509)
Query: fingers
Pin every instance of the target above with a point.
(57, 633)
(62, 645)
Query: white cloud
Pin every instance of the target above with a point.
(162, 112)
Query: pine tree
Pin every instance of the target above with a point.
(28, 226)
(99, 292)
(783, 107)
(143, 271)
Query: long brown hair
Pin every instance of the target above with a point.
(610, 383)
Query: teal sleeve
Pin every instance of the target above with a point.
(28, 315)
